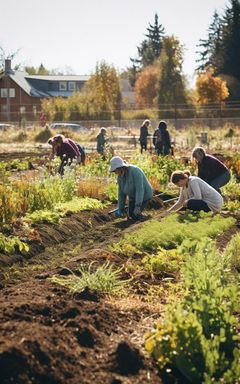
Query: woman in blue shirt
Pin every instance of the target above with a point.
(132, 183)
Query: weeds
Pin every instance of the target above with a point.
(103, 279)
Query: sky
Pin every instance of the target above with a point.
(76, 34)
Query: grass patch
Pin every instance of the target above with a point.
(103, 279)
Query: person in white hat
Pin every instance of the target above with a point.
(132, 183)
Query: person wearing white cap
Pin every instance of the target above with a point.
(132, 183)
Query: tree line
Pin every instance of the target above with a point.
(156, 74)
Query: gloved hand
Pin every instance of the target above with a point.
(118, 213)
(137, 210)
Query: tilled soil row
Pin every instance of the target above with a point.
(49, 336)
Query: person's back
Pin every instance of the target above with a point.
(166, 142)
(101, 140)
(157, 141)
(211, 169)
(82, 153)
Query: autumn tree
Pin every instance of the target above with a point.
(171, 86)
(210, 88)
(103, 92)
(146, 87)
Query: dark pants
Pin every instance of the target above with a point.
(220, 181)
(198, 205)
(143, 145)
(131, 206)
(159, 148)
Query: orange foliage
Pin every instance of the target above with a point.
(146, 87)
(210, 89)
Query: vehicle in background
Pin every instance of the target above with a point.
(4, 127)
(72, 126)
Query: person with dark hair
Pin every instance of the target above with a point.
(66, 149)
(161, 139)
(210, 169)
(132, 183)
(144, 135)
(195, 193)
(166, 141)
(101, 142)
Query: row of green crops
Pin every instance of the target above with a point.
(197, 342)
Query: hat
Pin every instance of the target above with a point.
(117, 162)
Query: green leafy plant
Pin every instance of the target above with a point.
(232, 253)
(173, 230)
(11, 244)
(164, 262)
(197, 341)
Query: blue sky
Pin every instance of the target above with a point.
(80, 33)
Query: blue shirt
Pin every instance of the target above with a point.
(135, 185)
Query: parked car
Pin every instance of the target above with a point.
(4, 127)
(71, 126)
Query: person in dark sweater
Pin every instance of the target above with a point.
(210, 169)
(161, 139)
(144, 135)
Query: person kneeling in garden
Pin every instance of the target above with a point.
(132, 183)
(210, 169)
(195, 193)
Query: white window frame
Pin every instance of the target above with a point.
(12, 92)
(62, 86)
(4, 93)
(72, 86)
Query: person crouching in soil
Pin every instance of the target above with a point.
(195, 194)
(66, 149)
(210, 169)
(132, 183)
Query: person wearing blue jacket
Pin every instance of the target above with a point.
(132, 183)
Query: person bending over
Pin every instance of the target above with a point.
(195, 194)
(132, 183)
(210, 169)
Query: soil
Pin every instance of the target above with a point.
(49, 336)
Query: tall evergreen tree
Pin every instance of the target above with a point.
(172, 87)
(231, 41)
(222, 48)
(149, 50)
(210, 48)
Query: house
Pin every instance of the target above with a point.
(21, 93)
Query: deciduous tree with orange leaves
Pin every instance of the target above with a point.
(210, 88)
(146, 87)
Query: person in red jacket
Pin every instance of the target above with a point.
(210, 169)
(66, 149)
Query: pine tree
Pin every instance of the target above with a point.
(231, 41)
(149, 50)
(211, 47)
